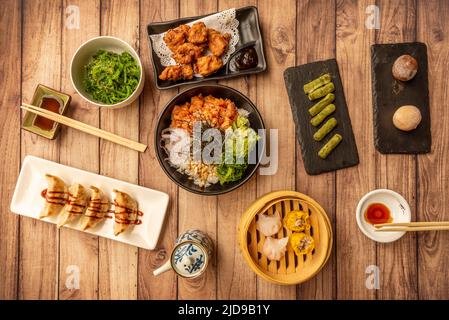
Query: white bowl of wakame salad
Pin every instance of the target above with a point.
(107, 72)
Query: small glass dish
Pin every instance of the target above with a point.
(29, 119)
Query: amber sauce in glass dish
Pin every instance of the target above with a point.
(51, 104)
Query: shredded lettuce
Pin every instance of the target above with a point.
(241, 122)
(243, 140)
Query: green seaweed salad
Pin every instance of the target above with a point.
(111, 77)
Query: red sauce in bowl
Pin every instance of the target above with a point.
(378, 213)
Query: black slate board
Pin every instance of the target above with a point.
(250, 36)
(345, 154)
(389, 94)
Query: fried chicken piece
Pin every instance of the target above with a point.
(187, 53)
(177, 72)
(207, 65)
(198, 33)
(181, 117)
(187, 72)
(217, 42)
(171, 73)
(196, 106)
(176, 37)
(219, 112)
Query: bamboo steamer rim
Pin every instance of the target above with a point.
(262, 204)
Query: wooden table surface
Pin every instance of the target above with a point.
(36, 47)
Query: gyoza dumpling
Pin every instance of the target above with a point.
(75, 206)
(274, 249)
(269, 225)
(55, 196)
(125, 212)
(96, 210)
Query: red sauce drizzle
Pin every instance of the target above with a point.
(378, 213)
(60, 200)
(126, 211)
(72, 202)
(95, 208)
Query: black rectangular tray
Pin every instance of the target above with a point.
(389, 94)
(345, 154)
(249, 32)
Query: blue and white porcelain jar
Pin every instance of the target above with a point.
(190, 256)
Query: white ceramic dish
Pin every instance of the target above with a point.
(399, 209)
(85, 53)
(27, 200)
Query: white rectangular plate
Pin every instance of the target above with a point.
(27, 200)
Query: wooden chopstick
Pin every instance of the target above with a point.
(413, 226)
(430, 228)
(85, 127)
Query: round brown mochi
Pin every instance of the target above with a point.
(405, 68)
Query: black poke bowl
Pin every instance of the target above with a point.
(218, 91)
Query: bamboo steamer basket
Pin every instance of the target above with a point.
(291, 269)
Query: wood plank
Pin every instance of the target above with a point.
(38, 275)
(316, 41)
(355, 252)
(79, 150)
(235, 279)
(433, 182)
(118, 261)
(195, 211)
(10, 49)
(151, 174)
(278, 29)
(397, 172)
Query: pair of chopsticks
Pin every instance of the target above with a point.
(84, 127)
(413, 226)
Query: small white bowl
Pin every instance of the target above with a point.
(399, 210)
(84, 54)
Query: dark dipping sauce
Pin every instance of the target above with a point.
(246, 59)
(51, 104)
(378, 213)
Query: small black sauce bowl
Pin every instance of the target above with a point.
(218, 91)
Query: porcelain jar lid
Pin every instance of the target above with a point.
(189, 259)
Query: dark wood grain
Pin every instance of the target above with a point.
(232, 270)
(151, 175)
(79, 150)
(278, 25)
(41, 63)
(397, 172)
(10, 48)
(355, 252)
(317, 18)
(35, 257)
(118, 261)
(433, 183)
(197, 211)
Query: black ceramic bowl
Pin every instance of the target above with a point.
(218, 91)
